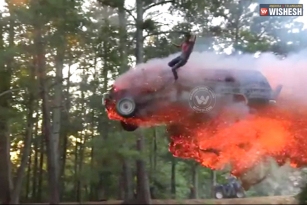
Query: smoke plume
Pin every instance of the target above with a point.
(278, 132)
(290, 72)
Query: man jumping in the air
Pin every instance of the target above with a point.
(186, 50)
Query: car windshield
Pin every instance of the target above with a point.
(223, 75)
(110, 92)
(248, 77)
(105, 97)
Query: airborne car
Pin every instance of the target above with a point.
(139, 106)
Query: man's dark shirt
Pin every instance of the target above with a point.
(187, 48)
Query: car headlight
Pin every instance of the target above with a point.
(105, 96)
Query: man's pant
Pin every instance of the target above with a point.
(175, 64)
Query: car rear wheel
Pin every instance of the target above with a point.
(128, 127)
(126, 107)
(219, 194)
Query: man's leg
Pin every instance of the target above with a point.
(174, 61)
(181, 63)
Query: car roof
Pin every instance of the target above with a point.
(239, 75)
(237, 72)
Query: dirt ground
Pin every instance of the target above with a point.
(252, 200)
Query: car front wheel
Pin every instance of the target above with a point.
(126, 107)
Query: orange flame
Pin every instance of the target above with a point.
(277, 131)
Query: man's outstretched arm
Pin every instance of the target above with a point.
(176, 45)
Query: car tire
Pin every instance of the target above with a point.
(240, 194)
(218, 194)
(126, 107)
(128, 127)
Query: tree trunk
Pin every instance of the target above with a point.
(104, 123)
(62, 175)
(5, 84)
(127, 178)
(122, 38)
(213, 182)
(143, 191)
(120, 190)
(91, 195)
(173, 178)
(80, 167)
(236, 38)
(92, 128)
(5, 165)
(57, 109)
(52, 162)
(194, 189)
(29, 174)
(155, 154)
(76, 171)
(126, 172)
(139, 51)
(27, 146)
(41, 169)
(65, 133)
(35, 166)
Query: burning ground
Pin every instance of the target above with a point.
(236, 136)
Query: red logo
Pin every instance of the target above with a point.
(264, 11)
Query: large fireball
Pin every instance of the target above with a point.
(236, 137)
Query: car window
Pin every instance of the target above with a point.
(252, 77)
(224, 75)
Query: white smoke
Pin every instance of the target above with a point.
(278, 180)
(155, 74)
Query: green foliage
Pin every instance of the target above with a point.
(302, 196)
(148, 25)
(111, 3)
